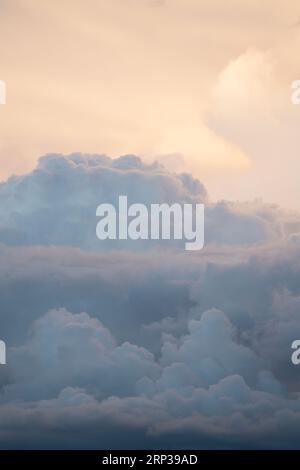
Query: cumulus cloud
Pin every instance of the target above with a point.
(181, 369)
(167, 347)
(72, 372)
(73, 350)
(251, 107)
(56, 204)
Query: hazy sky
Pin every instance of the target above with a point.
(203, 85)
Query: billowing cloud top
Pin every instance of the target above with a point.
(56, 203)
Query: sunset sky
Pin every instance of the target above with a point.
(139, 343)
(202, 85)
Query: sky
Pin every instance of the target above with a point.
(203, 86)
(140, 344)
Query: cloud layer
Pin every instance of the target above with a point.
(146, 347)
(56, 204)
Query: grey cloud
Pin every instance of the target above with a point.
(168, 398)
(150, 347)
(56, 204)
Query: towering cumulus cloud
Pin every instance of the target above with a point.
(144, 345)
